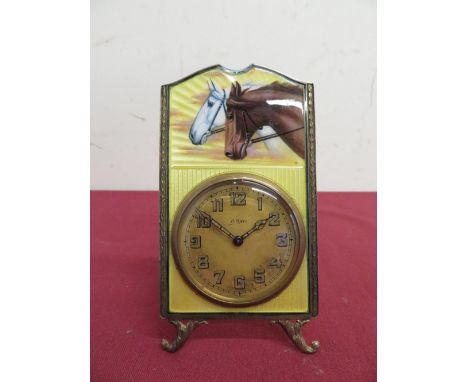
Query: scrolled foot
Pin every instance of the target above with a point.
(183, 333)
(294, 331)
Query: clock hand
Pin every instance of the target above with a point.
(216, 224)
(259, 224)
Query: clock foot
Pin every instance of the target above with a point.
(294, 331)
(183, 333)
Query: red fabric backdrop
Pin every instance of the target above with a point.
(126, 330)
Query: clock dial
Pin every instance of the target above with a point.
(238, 240)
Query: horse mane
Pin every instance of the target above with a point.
(240, 96)
(282, 87)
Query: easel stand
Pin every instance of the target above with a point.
(293, 329)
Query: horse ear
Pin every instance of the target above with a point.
(215, 87)
(233, 89)
(238, 89)
(211, 86)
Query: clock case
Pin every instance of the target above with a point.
(311, 210)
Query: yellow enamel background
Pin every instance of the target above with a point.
(189, 165)
(185, 101)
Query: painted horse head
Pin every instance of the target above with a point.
(277, 105)
(210, 115)
(237, 132)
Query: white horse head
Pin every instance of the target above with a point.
(211, 115)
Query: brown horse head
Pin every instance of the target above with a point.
(239, 126)
(276, 105)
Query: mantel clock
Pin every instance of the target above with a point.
(238, 201)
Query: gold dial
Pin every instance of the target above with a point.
(238, 240)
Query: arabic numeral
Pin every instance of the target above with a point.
(217, 205)
(238, 198)
(195, 241)
(203, 262)
(203, 221)
(274, 219)
(275, 262)
(218, 275)
(259, 275)
(282, 239)
(239, 282)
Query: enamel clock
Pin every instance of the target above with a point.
(238, 201)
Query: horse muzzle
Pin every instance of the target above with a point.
(236, 151)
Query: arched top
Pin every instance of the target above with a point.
(235, 72)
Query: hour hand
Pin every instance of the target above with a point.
(215, 223)
(259, 224)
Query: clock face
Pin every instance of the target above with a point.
(238, 240)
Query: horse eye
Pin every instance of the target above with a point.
(210, 103)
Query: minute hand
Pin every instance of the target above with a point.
(259, 224)
(216, 224)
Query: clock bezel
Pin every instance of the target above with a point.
(242, 179)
